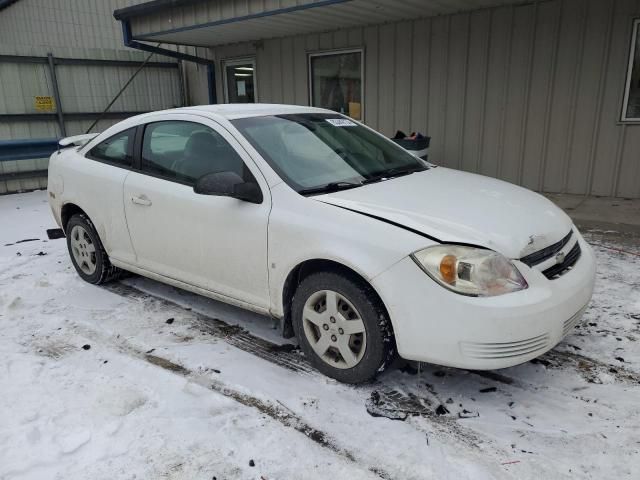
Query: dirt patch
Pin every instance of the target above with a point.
(166, 364)
(589, 369)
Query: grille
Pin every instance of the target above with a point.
(519, 348)
(572, 322)
(541, 255)
(569, 261)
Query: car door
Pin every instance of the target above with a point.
(212, 242)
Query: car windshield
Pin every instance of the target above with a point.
(317, 153)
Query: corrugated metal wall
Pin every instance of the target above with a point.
(80, 29)
(52, 24)
(528, 93)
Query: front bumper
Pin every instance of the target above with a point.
(435, 325)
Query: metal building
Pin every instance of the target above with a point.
(541, 93)
(61, 63)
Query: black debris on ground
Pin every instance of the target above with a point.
(620, 359)
(467, 414)
(55, 233)
(169, 321)
(28, 240)
(40, 254)
(376, 407)
(284, 348)
(409, 369)
(86, 347)
(22, 241)
(252, 463)
(493, 376)
(540, 361)
(442, 410)
(488, 390)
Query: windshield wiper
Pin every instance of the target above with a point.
(392, 173)
(329, 187)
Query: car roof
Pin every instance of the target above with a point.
(228, 111)
(232, 111)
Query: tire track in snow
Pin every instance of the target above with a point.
(397, 399)
(234, 335)
(279, 413)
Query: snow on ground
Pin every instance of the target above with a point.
(170, 385)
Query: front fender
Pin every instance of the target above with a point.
(302, 229)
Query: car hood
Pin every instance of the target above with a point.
(460, 207)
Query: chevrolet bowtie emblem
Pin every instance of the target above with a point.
(560, 257)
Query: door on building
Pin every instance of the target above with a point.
(240, 80)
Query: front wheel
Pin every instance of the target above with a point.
(342, 327)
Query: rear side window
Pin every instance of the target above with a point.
(185, 151)
(117, 149)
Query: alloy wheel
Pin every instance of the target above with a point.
(334, 329)
(83, 250)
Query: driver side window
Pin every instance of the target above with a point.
(185, 151)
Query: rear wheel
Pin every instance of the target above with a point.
(86, 251)
(342, 327)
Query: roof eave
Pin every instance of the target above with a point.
(145, 8)
(5, 3)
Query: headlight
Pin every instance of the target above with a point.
(470, 271)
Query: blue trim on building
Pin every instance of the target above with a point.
(25, 149)
(226, 21)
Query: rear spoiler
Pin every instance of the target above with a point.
(77, 140)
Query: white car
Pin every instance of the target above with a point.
(360, 248)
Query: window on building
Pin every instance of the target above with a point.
(336, 81)
(631, 107)
(185, 151)
(116, 150)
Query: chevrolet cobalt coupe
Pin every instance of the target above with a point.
(361, 249)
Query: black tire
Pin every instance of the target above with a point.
(104, 271)
(379, 345)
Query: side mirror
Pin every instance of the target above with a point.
(248, 192)
(228, 184)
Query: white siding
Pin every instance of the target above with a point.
(529, 93)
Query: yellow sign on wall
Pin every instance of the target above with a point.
(44, 104)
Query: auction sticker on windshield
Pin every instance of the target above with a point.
(340, 122)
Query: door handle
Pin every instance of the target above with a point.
(141, 200)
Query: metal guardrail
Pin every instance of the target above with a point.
(27, 149)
